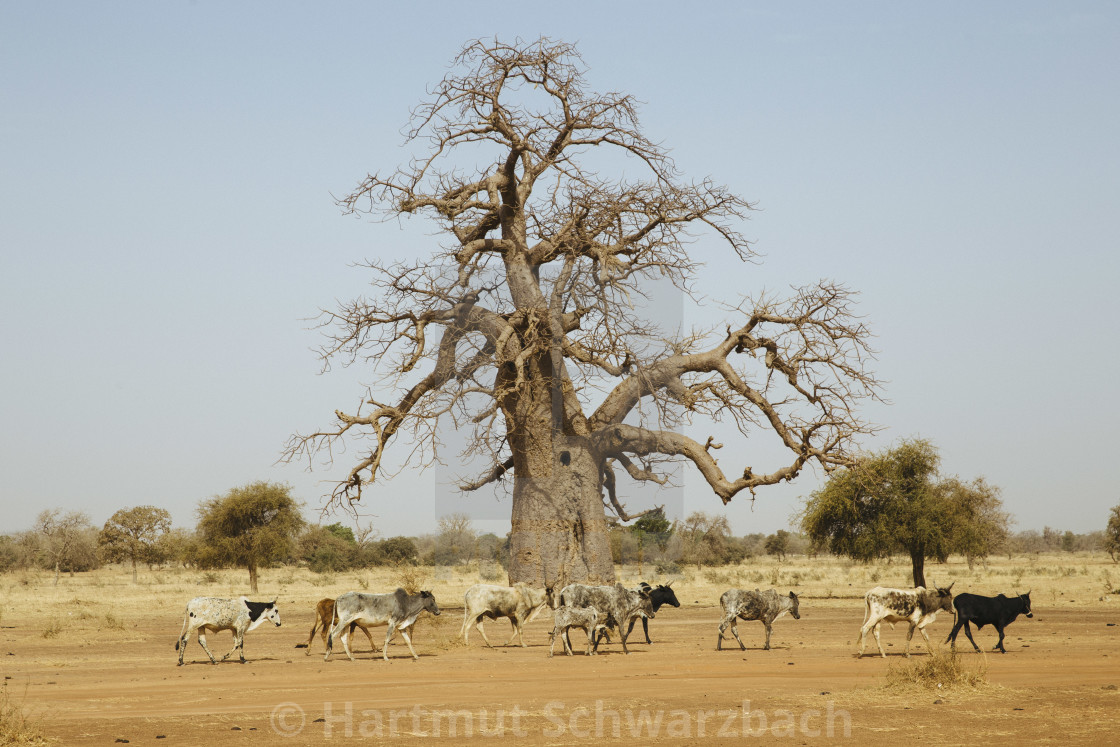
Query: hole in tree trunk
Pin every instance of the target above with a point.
(565, 458)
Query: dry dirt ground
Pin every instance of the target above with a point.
(1057, 683)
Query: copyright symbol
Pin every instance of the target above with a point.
(287, 719)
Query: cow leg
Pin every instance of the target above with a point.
(909, 637)
(867, 627)
(878, 642)
(202, 642)
(408, 639)
(735, 632)
(482, 631)
(237, 643)
(1000, 644)
(372, 645)
(340, 630)
(645, 628)
(968, 632)
(311, 636)
(465, 631)
(388, 635)
(631, 628)
(623, 637)
(183, 637)
(953, 633)
(769, 628)
(590, 650)
(514, 633)
(929, 646)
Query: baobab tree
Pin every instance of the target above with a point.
(522, 322)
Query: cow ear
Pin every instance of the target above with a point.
(792, 595)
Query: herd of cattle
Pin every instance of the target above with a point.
(596, 610)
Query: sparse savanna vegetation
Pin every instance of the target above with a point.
(17, 726)
(941, 671)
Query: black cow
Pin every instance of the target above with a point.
(658, 596)
(998, 611)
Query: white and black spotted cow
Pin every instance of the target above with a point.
(618, 604)
(212, 614)
(918, 607)
(398, 610)
(766, 606)
(587, 619)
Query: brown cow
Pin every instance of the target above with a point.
(325, 616)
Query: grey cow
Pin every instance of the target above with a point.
(587, 619)
(398, 610)
(520, 603)
(619, 605)
(212, 614)
(766, 606)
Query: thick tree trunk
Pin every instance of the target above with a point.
(253, 578)
(918, 559)
(134, 570)
(559, 524)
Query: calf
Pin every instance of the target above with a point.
(398, 610)
(918, 607)
(658, 596)
(324, 614)
(211, 614)
(767, 606)
(619, 604)
(519, 603)
(565, 618)
(998, 612)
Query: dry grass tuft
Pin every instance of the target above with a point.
(112, 622)
(54, 627)
(16, 726)
(939, 671)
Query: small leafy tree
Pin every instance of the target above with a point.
(64, 539)
(778, 544)
(893, 502)
(397, 551)
(329, 548)
(705, 540)
(455, 542)
(134, 534)
(249, 526)
(1112, 533)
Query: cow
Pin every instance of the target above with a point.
(212, 614)
(767, 606)
(918, 607)
(658, 596)
(998, 612)
(520, 603)
(619, 604)
(398, 610)
(324, 614)
(586, 618)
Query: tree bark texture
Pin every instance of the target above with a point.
(559, 526)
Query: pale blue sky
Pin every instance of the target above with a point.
(167, 225)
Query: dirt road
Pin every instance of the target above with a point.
(1056, 684)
